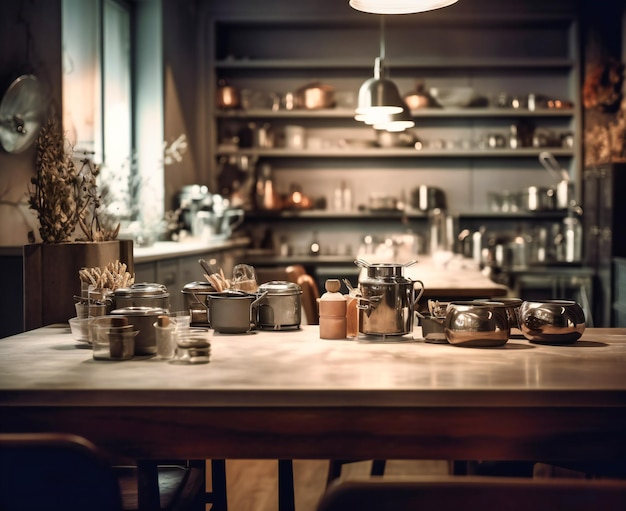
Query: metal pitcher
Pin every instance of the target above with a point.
(388, 299)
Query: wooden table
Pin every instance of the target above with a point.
(292, 395)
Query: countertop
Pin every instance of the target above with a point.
(171, 249)
(292, 367)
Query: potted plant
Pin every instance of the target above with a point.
(75, 233)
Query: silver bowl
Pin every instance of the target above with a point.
(552, 321)
(478, 325)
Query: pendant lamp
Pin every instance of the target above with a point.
(399, 6)
(379, 97)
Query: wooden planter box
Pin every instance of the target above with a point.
(51, 276)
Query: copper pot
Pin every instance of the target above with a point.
(227, 96)
(315, 96)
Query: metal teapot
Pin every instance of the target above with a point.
(388, 299)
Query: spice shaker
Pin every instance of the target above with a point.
(333, 308)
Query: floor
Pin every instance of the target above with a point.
(253, 484)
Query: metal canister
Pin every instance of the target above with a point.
(281, 307)
(388, 299)
(143, 319)
(144, 294)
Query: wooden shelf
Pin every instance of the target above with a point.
(401, 152)
(346, 113)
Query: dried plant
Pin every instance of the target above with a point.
(66, 196)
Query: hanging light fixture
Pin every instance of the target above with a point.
(396, 122)
(399, 6)
(379, 98)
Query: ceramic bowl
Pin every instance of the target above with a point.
(552, 321)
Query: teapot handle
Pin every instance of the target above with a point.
(419, 294)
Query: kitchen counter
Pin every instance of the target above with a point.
(172, 249)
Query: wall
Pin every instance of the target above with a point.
(30, 42)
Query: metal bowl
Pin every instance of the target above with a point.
(552, 321)
(477, 325)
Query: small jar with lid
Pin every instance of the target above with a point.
(332, 309)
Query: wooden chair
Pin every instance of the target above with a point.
(55, 471)
(452, 493)
(298, 274)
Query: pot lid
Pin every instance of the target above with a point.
(280, 287)
(143, 289)
(199, 286)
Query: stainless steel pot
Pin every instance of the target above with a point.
(564, 190)
(537, 198)
(428, 198)
(233, 312)
(388, 299)
(197, 292)
(143, 319)
(281, 306)
(144, 294)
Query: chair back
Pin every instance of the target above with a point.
(298, 274)
(469, 493)
(41, 471)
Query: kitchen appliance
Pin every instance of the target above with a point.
(207, 215)
(388, 299)
(281, 306)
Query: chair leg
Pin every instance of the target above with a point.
(148, 496)
(218, 486)
(286, 496)
(378, 467)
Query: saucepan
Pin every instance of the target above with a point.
(564, 193)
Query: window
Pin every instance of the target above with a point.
(97, 92)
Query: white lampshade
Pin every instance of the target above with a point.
(396, 122)
(399, 6)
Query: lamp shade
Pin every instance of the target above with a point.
(396, 122)
(399, 6)
(379, 96)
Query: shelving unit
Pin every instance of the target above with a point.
(496, 53)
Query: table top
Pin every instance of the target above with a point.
(292, 395)
(296, 368)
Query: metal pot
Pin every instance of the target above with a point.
(143, 319)
(281, 306)
(537, 198)
(552, 321)
(197, 292)
(233, 312)
(315, 96)
(428, 198)
(144, 294)
(388, 299)
(563, 190)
